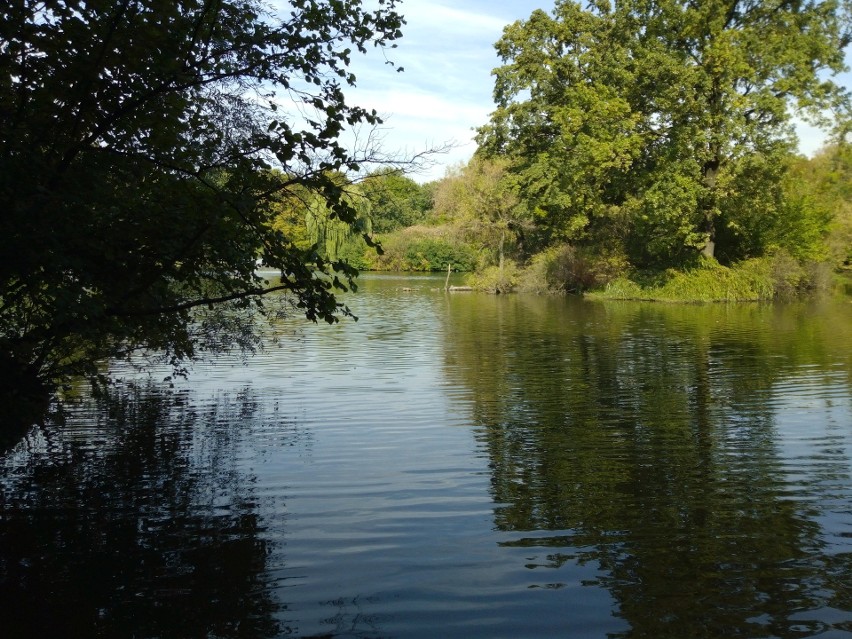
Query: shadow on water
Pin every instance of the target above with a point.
(647, 439)
(143, 526)
(24, 401)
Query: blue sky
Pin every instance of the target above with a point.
(447, 51)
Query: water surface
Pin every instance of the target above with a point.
(457, 465)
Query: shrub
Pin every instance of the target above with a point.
(709, 281)
(712, 282)
(787, 274)
(495, 280)
(534, 278)
(435, 254)
(622, 288)
(572, 269)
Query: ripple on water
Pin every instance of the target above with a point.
(475, 466)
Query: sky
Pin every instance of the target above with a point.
(445, 91)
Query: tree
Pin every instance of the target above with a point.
(644, 118)
(136, 142)
(481, 199)
(395, 199)
(307, 220)
(328, 233)
(825, 182)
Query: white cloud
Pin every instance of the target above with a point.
(441, 21)
(445, 91)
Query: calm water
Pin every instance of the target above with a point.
(455, 466)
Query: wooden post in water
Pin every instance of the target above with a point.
(447, 283)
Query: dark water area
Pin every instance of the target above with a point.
(455, 465)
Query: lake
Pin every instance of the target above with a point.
(454, 465)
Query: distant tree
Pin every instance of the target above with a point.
(307, 220)
(396, 201)
(826, 181)
(328, 234)
(136, 142)
(482, 201)
(652, 119)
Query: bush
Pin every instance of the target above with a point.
(788, 275)
(357, 254)
(495, 280)
(712, 282)
(791, 277)
(709, 281)
(430, 254)
(750, 280)
(535, 277)
(569, 269)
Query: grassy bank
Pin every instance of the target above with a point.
(604, 277)
(751, 280)
(595, 273)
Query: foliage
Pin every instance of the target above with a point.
(424, 248)
(429, 254)
(750, 280)
(496, 279)
(776, 211)
(480, 199)
(570, 269)
(661, 123)
(286, 210)
(396, 201)
(331, 235)
(825, 182)
(136, 142)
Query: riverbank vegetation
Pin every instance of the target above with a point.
(476, 220)
(648, 151)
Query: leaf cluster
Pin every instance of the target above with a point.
(137, 139)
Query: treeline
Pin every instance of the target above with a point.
(476, 219)
(649, 148)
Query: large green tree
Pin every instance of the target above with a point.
(136, 142)
(649, 119)
(396, 201)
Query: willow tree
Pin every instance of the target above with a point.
(328, 233)
(136, 138)
(648, 118)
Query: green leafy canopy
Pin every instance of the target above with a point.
(137, 142)
(650, 120)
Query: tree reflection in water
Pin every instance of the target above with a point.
(142, 526)
(644, 438)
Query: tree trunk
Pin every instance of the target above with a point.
(711, 170)
(709, 249)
